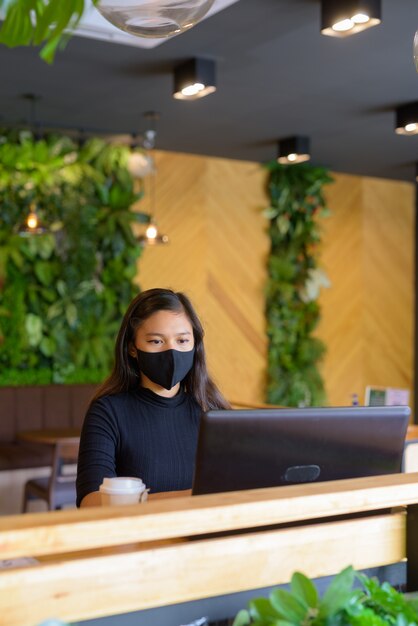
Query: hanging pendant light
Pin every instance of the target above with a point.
(152, 236)
(154, 18)
(32, 225)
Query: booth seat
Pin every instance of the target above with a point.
(33, 408)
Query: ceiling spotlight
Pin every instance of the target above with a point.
(340, 18)
(194, 79)
(32, 225)
(293, 150)
(407, 119)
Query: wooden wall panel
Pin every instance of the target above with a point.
(341, 326)
(211, 210)
(388, 232)
(368, 313)
(180, 214)
(236, 275)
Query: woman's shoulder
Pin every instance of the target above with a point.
(113, 402)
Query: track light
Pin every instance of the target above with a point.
(407, 119)
(340, 18)
(194, 79)
(293, 150)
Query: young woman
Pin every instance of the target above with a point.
(144, 419)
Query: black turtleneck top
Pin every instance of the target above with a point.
(141, 434)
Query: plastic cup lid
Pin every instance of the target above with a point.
(122, 484)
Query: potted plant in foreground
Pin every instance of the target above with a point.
(370, 604)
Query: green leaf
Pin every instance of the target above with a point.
(33, 327)
(339, 592)
(44, 272)
(304, 590)
(71, 314)
(16, 29)
(55, 310)
(242, 618)
(287, 606)
(47, 346)
(262, 608)
(16, 257)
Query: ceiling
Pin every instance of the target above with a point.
(277, 76)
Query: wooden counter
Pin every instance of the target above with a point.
(106, 561)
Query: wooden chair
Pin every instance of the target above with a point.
(58, 489)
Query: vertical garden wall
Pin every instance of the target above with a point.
(294, 280)
(63, 293)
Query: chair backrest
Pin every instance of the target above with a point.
(64, 462)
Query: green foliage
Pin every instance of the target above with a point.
(296, 193)
(341, 605)
(36, 22)
(63, 293)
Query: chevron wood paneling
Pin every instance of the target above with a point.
(237, 252)
(211, 210)
(389, 227)
(341, 304)
(368, 313)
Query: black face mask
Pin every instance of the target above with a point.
(165, 368)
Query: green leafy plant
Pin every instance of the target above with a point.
(36, 22)
(62, 293)
(372, 604)
(294, 281)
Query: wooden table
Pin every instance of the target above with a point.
(49, 436)
(412, 432)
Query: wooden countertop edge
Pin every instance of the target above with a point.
(68, 531)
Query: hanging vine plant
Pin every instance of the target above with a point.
(294, 282)
(63, 293)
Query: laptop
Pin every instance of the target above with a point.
(250, 449)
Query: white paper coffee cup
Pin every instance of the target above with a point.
(122, 490)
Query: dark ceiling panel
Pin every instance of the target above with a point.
(277, 76)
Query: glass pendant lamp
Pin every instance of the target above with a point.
(154, 18)
(152, 236)
(416, 50)
(32, 224)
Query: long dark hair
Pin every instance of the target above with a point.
(124, 376)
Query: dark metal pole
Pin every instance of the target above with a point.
(412, 547)
(416, 304)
